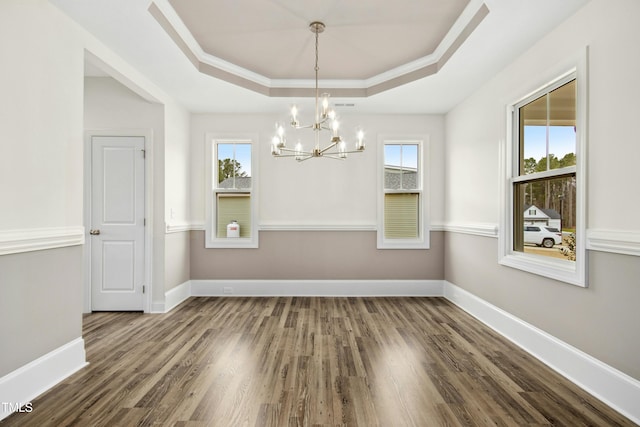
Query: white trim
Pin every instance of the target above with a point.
(624, 242)
(274, 226)
(158, 307)
(281, 226)
(325, 288)
(475, 229)
(437, 226)
(29, 381)
(37, 239)
(180, 227)
(176, 296)
(615, 241)
(616, 389)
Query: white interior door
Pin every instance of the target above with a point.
(117, 223)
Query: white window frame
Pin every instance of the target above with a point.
(211, 239)
(423, 240)
(573, 272)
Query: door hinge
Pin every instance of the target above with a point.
(143, 289)
(144, 222)
(144, 153)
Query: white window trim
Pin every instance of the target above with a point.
(211, 241)
(571, 272)
(422, 241)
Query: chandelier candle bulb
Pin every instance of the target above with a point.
(342, 150)
(325, 104)
(298, 152)
(335, 126)
(360, 141)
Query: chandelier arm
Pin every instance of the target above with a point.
(293, 155)
(328, 147)
(291, 150)
(303, 127)
(337, 153)
(305, 158)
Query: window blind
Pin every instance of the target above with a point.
(401, 215)
(234, 207)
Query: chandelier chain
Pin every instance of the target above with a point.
(317, 68)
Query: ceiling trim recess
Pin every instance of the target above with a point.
(168, 19)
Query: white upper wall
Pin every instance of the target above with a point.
(40, 118)
(476, 127)
(316, 192)
(177, 170)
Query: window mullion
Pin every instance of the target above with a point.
(553, 173)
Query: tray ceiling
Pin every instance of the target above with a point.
(366, 48)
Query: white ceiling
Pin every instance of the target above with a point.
(371, 35)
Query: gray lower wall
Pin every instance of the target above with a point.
(314, 255)
(601, 320)
(40, 304)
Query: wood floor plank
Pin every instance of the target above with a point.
(298, 361)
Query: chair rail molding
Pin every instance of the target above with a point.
(36, 239)
(624, 242)
(476, 229)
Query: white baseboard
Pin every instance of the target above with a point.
(613, 387)
(175, 296)
(28, 382)
(325, 288)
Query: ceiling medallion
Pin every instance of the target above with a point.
(325, 119)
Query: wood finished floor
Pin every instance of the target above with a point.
(309, 362)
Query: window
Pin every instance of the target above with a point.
(402, 223)
(544, 228)
(232, 196)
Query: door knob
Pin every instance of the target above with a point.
(94, 232)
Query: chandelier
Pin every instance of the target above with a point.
(325, 119)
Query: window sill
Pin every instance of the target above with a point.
(403, 244)
(557, 269)
(231, 243)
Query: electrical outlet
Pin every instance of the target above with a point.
(227, 290)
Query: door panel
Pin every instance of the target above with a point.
(118, 269)
(119, 205)
(117, 223)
